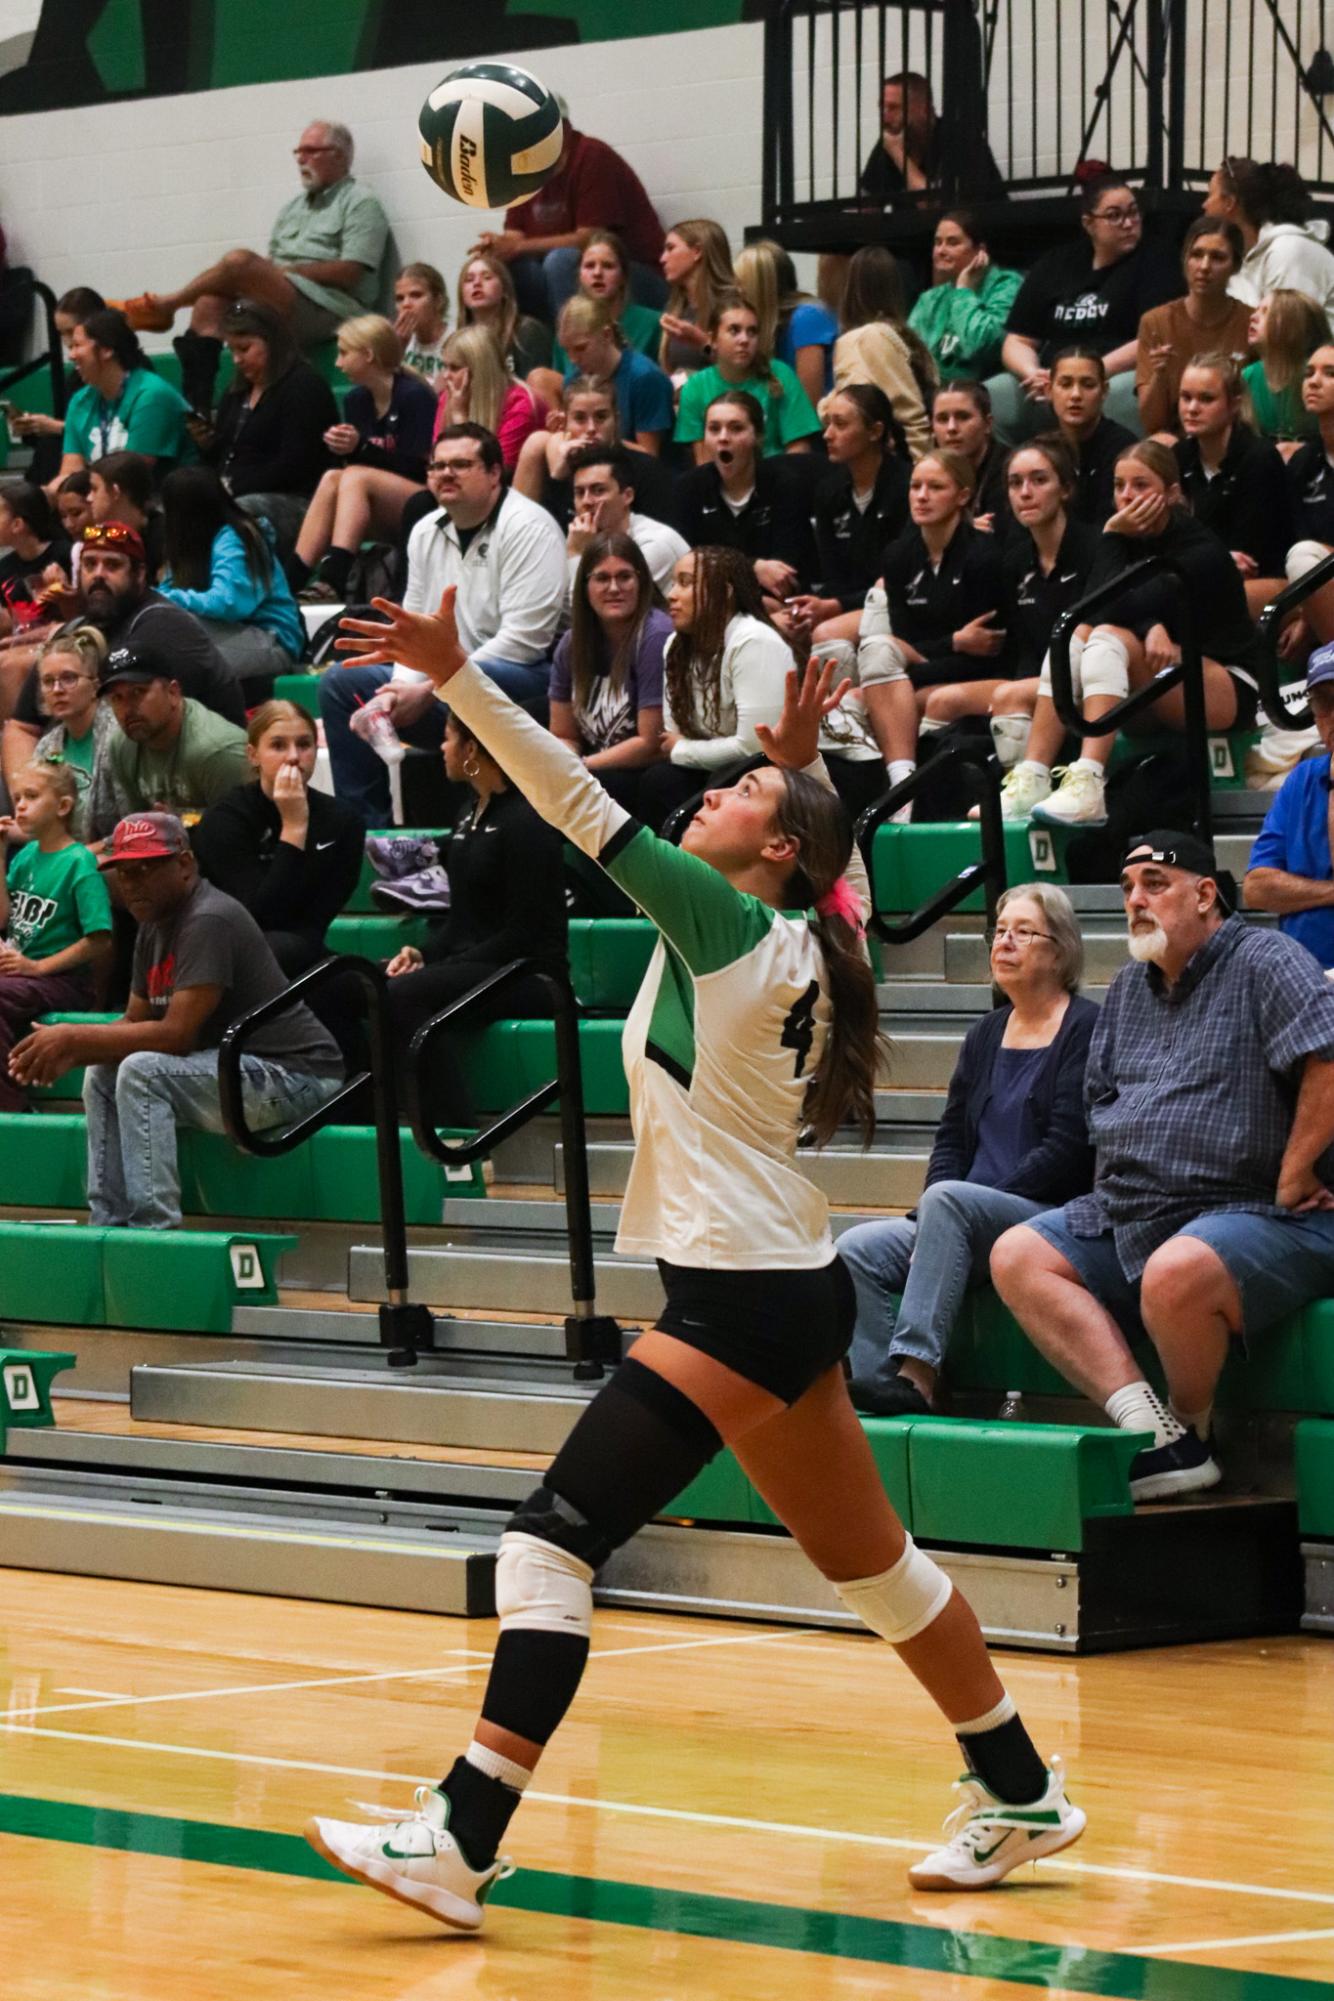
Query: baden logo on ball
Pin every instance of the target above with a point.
(491, 135)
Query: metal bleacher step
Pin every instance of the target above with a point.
(525, 1279)
(889, 1176)
(331, 1326)
(481, 1223)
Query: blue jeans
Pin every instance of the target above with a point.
(135, 1106)
(932, 1260)
(361, 779)
(543, 284)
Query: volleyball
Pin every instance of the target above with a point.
(491, 135)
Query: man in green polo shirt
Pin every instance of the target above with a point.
(323, 264)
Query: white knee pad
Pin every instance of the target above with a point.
(542, 1588)
(841, 653)
(1105, 667)
(1304, 556)
(879, 655)
(1077, 646)
(902, 1602)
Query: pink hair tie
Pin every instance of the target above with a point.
(842, 901)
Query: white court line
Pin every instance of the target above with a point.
(478, 1660)
(790, 1828)
(106, 1694)
(1223, 1944)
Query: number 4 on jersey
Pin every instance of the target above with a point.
(799, 1027)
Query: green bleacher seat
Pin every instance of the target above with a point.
(376, 937)
(608, 959)
(26, 1375)
(52, 1272)
(71, 1274)
(512, 1058)
(912, 862)
(303, 689)
(1314, 1453)
(43, 1160)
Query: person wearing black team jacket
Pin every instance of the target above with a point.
(268, 442)
(1234, 482)
(1310, 473)
(291, 855)
(1078, 398)
(738, 499)
(943, 580)
(860, 505)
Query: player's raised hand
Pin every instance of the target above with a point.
(430, 645)
(808, 696)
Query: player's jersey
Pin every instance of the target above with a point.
(724, 1036)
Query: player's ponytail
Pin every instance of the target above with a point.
(844, 1086)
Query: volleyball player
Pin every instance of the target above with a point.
(750, 1026)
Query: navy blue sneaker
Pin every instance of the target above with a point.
(1165, 1472)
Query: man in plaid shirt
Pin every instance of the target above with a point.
(1210, 1098)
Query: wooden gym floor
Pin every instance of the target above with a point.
(728, 1813)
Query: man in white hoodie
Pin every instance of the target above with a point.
(1285, 243)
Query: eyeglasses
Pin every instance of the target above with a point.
(1117, 215)
(454, 465)
(70, 680)
(1019, 934)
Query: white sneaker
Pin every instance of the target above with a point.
(1023, 787)
(1080, 800)
(416, 1860)
(987, 1839)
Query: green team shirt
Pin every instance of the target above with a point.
(725, 1035)
(788, 411)
(55, 899)
(148, 416)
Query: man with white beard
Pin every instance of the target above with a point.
(1210, 1098)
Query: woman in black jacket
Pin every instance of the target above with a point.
(860, 505)
(268, 433)
(738, 499)
(291, 855)
(507, 901)
(1013, 1141)
(943, 580)
(1233, 481)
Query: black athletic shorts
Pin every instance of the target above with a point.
(779, 1329)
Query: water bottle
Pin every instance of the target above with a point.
(1012, 1410)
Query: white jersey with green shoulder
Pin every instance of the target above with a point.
(724, 1036)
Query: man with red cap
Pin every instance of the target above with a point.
(200, 961)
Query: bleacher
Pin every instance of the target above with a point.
(280, 1453)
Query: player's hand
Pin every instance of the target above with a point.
(978, 638)
(430, 645)
(808, 695)
(773, 577)
(341, 439)
(1160, 649)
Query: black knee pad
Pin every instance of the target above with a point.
(656, 1394)
(548, 1516)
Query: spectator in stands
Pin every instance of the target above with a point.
(877, 344)
(121, 489)
(54, 913)
(1012, 1140)
(790, 421)
(1207, 319)
(587, 415)
(114, 596)
(511, 594)
(738, 499)
(604, 504)
(477, 388)
(961, 319)
(1210, 1095)
(911, 157)
(860, 506)
(74, 506)
(1286, 248)
(380, 446)
(596, 347)
(32, 539)
(961, 422)
(507, 901)
(123, 405)
(272, 421)
(322, 267)
(943, 581)
(795, 328)
(1233, 482)
(1095, 441)
(1290, 871)
(1311, 496)
(1095, 292)
(487, 298)
(1141, 636)
(80, 727)
(172, 754)
(39, 428)
(696, 263)
(222, 565)
(421, 315)
(200, 961)
(604, 275)
(1286, 330)
(592, 188)
(606, 682)
(290, 854)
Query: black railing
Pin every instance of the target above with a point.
(981, 775)
(404, 1327)
(1187, 672)
(51, 357)
(591, 1339)
(1279, 707)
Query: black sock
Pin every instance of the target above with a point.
(480, 1809)
(1006, 1762)
(337, 568)
(298, 572)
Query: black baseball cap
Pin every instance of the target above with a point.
(140, 662)
(1174, 848)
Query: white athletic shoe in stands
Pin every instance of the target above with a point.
(987, 1838)
(416, 1860)
(1023, 787)
(1080, 800)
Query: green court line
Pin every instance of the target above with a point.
(687, 1913)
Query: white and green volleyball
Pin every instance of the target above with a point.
(491, 135)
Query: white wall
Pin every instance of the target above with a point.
(136, 196)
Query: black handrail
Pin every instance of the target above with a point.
(591, 1339)
(982, 774)
(1269, 624)
(52, 357)
(404, 1327)
(1189, 671)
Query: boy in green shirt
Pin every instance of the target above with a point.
(790, 421)
(54, 911)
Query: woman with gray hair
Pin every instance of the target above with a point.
(1012, 1141)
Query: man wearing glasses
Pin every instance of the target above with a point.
(322, 267)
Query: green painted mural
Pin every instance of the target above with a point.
(92, 51)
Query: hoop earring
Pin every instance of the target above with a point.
(471, 767)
